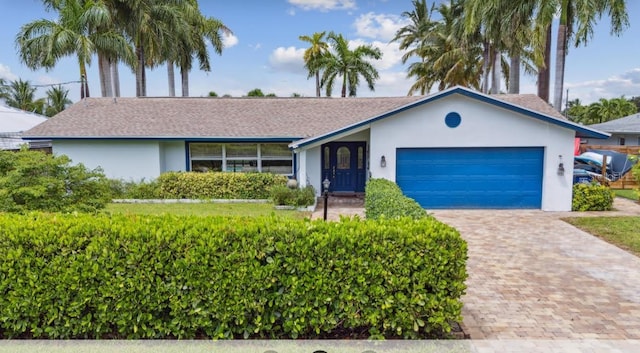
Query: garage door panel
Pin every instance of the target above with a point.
(472, 177)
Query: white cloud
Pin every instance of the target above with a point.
(5, 73)
(379, 26)
(255, 46)
(324, 5)
(229, 40)
(291, 12)
(626, 84)
(288, 59)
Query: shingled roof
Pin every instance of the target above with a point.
(294, 118)
(629, 125)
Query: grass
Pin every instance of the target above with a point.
(627, 194)
(204, 209)
(623, 232)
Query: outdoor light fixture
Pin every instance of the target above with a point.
(560, 166)
(325, 186)
(383, 162)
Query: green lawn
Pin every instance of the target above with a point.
(623, 232)
(204, 209)
(626, 193)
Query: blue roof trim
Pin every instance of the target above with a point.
(186, 139)
(580, 130)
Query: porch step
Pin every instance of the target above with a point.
(343, 200)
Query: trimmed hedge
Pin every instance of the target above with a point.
(592, 197)
(383, 198)
(218, 185)
(87, 276)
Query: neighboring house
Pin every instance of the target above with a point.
(454, 149)
(624, 131)
(12, 124)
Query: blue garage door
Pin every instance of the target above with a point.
(471, 177)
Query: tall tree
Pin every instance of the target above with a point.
(81, 29)
(313, 56)
(57, 100)
(150, 25)
(577, 20)
(204, 30)
(448, 55)
(21, 95)
(348, 64)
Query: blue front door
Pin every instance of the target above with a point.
(344, 164)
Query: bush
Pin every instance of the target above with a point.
(300, 197)
(218, 185)
(33, 180)
(128, 276)
(383, 198)
(592, 197)
(121, 189)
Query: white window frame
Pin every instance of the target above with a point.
(224, 157)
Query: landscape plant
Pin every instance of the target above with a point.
(384, 198)
(592, 197)
(33, 180)
(70, 276)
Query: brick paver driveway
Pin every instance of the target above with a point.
(532, 275)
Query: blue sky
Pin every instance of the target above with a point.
(265, 52)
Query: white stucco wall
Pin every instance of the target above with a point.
(129, 160)
(483, 125)
(173, 157)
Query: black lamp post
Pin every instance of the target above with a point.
(325, 185)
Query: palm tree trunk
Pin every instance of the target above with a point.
(84, 86)
(486, 59)
(344, 85)
(496, 72)
(544, 73)
(561, 56)
(172, 79)
(115, 77)
(101, 64)
(185, 82)
(105, 73)
(514, 74)
(141, 84)
(318, 83)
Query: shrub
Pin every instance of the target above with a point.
(300, 197)
(33, 180)
(592, 197)
(128, 276)
(218, 185)
(121, 189)
(636, 173)
(383, 198)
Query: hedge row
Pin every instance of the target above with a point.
(87, 276)
(383, 198)
(193, 185)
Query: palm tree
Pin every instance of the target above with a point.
(448, 56)
(202, 30)
(81, 29)
(349, 64)
(57, 100)
(4, 88)
(21, 95)
(150, 25)
(577, 19)
(314, 54)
